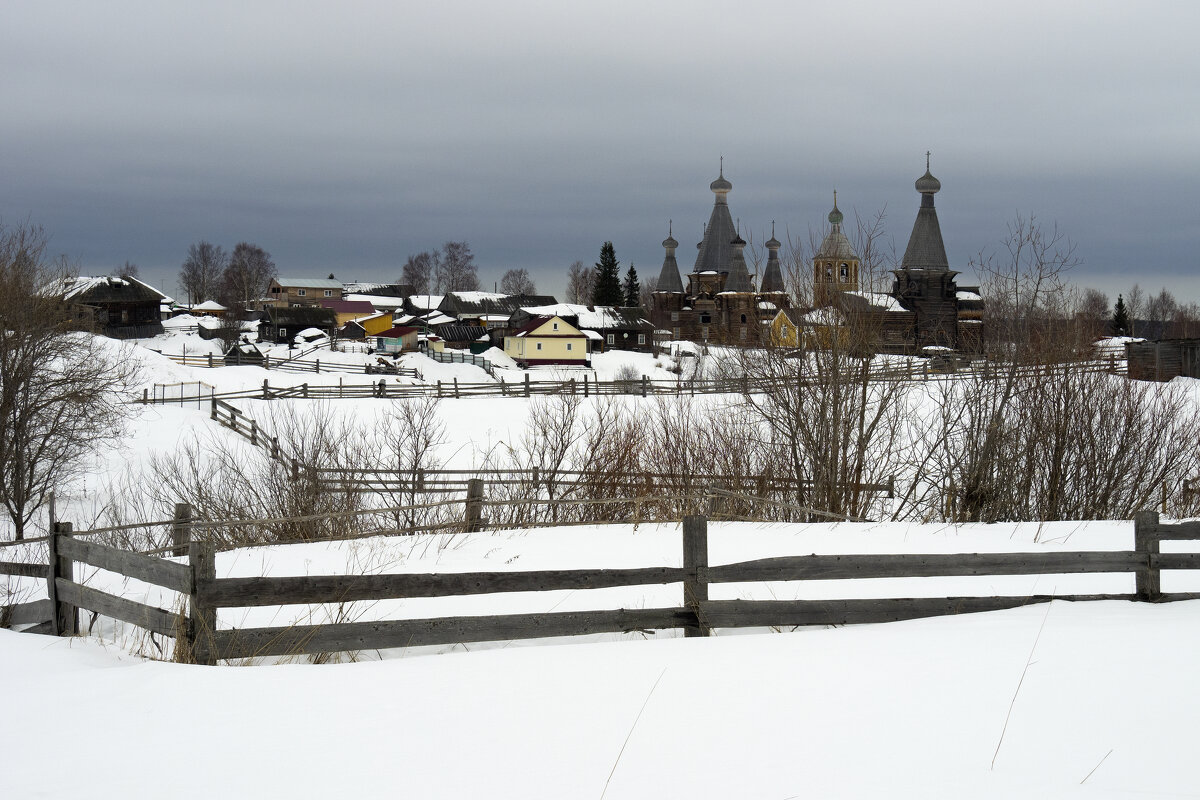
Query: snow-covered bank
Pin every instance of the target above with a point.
(907, 710)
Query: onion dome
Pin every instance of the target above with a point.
(773, 243)
(668, 279)
(721, 186)
(927, 184)
(835, 216)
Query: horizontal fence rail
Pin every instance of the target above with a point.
(200, 640)
(587, 386)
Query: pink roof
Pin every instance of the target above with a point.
(348, 306)
(397, 332)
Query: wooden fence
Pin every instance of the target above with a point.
(291, 364)
(201, 639)
(588, 386)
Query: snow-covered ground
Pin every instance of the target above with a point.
(1060, 700)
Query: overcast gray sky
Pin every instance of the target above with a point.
(342, 137)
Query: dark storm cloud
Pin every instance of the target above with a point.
(342, 138)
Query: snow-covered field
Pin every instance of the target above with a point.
(1058, 700)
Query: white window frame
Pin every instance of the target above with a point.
(555, 326)
(299, 293)
(539, 345)
(329, 292)
(568, 347)
(641, 338)
(283, 331)
(611, 338)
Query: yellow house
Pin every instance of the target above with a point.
(376, 323)
(547, 340)
(784, 331)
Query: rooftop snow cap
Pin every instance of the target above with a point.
(668, 279)
(925, 248)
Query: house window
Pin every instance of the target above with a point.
(829, 272)
(705, 319)
(283, 332)
(845, 272)
(124, 316)
(742, 334)
(704, 333)
(675, 333)
(743, 319)
(300, 293)
(329, 292)
(568, 347)
(555, 326)
(539, 345)
(641, 338)
(274, 290)
(611, 338)
(674, 316)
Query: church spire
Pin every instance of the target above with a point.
(772, 279)
(925, 247)
(668, 279)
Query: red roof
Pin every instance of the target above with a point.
(348, 306)
(397, 332)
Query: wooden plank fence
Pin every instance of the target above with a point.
(588, 386)
(200, 638)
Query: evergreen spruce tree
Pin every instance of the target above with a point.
(607, 289)
(1120, 318)
(631, 287)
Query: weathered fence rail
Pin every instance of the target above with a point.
(290, 364)
(200, 639)
(588, 386)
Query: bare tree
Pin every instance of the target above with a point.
(457, 271)
(1160, 308)
(1093, 313)
(580, 281)
(419, 271)
(517, 281)
(247, 276)
(62, 393)
(200, 275)
(126, 270)
(646, 293)
(1135, 302)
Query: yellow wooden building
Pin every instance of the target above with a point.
(547, 340)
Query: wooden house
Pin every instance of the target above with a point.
(615, 328)
(280, 325)
(395, 341)
(287, 292)
(547, 340)
(123, 308)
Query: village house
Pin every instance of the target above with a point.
(547, 340)
(121, 308)
(364, 327)
(287, 292)
(280, 325)
(614, 328)
(394, 341)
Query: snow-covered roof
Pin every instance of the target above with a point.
(766, 306)
(209, 305)
(880, 300)
(310, 333)
(377, 300)
(595, 317)
(476, 297)
(426, 301)
(968, 295)
(310, 283)
(438, 318)
(72, 288)
(593, 335)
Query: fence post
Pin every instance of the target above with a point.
(181, 528)
(64, 620)
(1164, 497)
(304, 389)
(643, 386)
(266, 396)
(503, 387)
(253, 431)
(382, 388)
(213, 412)
(527, 384)
(474, 504)
(456, 388)
(585, 385)
(274, 447)
(202, 619)
(695, 559)
(318, 366)
(1145, 542)
(439, 389)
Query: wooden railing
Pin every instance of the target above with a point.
(200, 639)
